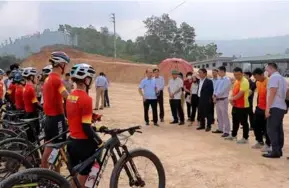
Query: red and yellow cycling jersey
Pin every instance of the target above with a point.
(52, 89)
(79, 111)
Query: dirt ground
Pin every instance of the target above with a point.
(191, 158)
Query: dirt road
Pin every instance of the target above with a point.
(196, 159)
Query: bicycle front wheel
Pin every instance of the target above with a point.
(128, 171)
(34, 178)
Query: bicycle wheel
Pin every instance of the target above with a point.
(34, 178)
(6, 133)
(22, 147)
(11, 162)
(127, 165)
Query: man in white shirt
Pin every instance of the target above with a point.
(100, 85)
(175, 93)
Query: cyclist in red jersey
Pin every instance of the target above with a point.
(10, 94)
(84, 141)
(53, 94)
(19, 85)
(45, 72)
(31, 103)
(2, 73)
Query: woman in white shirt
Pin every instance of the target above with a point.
(194, 97)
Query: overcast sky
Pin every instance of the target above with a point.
(212, 20)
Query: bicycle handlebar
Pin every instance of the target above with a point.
(131, 130)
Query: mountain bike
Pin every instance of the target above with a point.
(124, 162)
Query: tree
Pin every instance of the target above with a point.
(27, 49)
(163, 39)
(7, 60)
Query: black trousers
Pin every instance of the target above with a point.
(260, 128)
(205, 113)
(275, 129)
(106, 98)
(251, 116)
(161, 103)
(240, 116)
(188, 107)
(177, 110)
(153, 103)
(194, 105)
(213, 112)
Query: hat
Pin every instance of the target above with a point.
(175, 72)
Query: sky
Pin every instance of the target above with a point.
(212, 20)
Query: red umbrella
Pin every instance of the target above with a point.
(169, 64)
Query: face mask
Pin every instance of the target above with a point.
(189, 77)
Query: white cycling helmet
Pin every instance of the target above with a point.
(81, 71)
(29, 71)
(47, 70)
(59, 57)
(2, 73)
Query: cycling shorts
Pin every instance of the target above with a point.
(30, 133)
(79, 150)
(54, 126)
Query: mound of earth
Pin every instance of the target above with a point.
(117, 70)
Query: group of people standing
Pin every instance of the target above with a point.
(204, 95)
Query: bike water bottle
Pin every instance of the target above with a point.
(92, 175)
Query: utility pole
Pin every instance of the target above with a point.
(113, 21)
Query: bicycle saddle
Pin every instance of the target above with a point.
(57, 145)
(29, 120)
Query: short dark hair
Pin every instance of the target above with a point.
(216, 70)
(181, 74)
(14, 66)
(8, 72)
(101, 74)
(67, 74)
(248, 73)
(258, 71)
(273, 65)
(156, 70)
(203, 70)
(222, 68)
(189, 74)
(237, 69)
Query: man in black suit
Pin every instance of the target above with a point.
(205, 94)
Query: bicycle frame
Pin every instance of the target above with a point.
(108, 147)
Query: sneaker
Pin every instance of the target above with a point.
(217, 131)
(242, 141)
(266, 149)
(258, 145)
(157, 125)
(225, 135)
(231, 138)
(147, 123)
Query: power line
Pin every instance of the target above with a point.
(170, 11)
(179, 5)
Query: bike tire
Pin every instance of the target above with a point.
(17, 158)
(35, 174)
(28, 145)
(138, 153)
(7, 132)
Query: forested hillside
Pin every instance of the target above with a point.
(163, 39)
